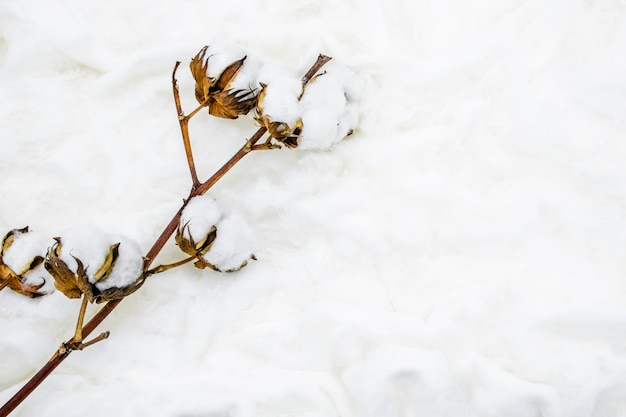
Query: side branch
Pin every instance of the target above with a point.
(183, 121)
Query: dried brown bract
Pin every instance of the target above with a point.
(16, 280)
(215, 92)
(186, 243)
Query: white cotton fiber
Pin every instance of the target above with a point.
(25, 247)
(86, 243)
(233, 244)
(329, 108)
(92, 246)
(283, 88)
(200, 215)
(128, 267)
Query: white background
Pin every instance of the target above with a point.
(462, 254)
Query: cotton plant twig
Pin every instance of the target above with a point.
(198, 188)
(184, 127)
(77, 342)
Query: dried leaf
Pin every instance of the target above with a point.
(29, 290)
(199, 68)
(115, 293)
(228, 75)
(37, 260)
(64, 279)
(82, 280)
(215, 92)
(230, 104)
(202, 263)
(109, 263)
(187, 244)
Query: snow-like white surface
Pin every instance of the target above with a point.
(462, 254)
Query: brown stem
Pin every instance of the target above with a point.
(60, 355)
(4, 284)
(196, 110)
(163, 268)
(78, 334)
(243, 151)
(183, 121)
(34, 382)
(319, 63)
(199, 190)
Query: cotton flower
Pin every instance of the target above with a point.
(99, 266)
(20, 255)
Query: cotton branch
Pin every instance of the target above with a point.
(184, 127)
(198, 188)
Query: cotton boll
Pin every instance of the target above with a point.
(19, 258)
(232, 248)
(247, 77)
(319, 129)
(280, 99)
(200, 215)
(91, 246)
(128, 267)
(88, 244)
(25, 247)
(221, 54)
(330, 108)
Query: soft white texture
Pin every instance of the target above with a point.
(25, 247)
(462, 254)
(128, 267)
(283, 88)
(233, 245)
(199, 216)
(330, 107)
(23, 250)
(91, 246)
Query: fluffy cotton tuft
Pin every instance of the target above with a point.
(25, 247)
(280, 103)
(200, 215)
(233, 245)
(330, 108)
(91, 246)
(128, 267)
